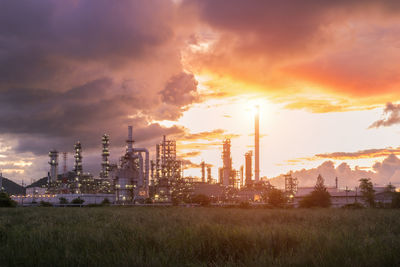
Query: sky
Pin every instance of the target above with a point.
(326, 75)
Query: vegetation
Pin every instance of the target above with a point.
(320, 197)
(203, 200)
(105, 202)
(77, 200)
(396, 200)
(45, 204)
(276, 198)
(367, 191)
(179, 236)
(63, 200)
(6, 201)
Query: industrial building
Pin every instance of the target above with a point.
(131, 176)
(137, 179)
(167, 172)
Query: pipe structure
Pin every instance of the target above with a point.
(140, 182)
(146, 164)
(257, 145)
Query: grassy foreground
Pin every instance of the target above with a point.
(177, 236)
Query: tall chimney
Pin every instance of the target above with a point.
(257, 145)
(130, 140)
(203, 171)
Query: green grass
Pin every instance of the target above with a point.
(174, 236)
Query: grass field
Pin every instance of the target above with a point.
(175, 236)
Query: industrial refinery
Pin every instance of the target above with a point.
(139, 177)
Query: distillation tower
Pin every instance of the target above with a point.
(167, 166)
(209, 177)
(131, 177)
(167, 169)
(105, 164)
(248, 165)
(78, 165)
(53, 154)
(227, 163)
(203, 171)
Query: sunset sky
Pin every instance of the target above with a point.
(326, 75)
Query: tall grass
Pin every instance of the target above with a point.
(175, 236)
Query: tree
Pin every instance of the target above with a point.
(6, 201)
(319, 197)
(367, 191)
(276, 197)
(63, 200)
(106, 201)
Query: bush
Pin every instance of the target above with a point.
(77, 200)
(105, 202)
(316, 199)
(148, 201)
(244, 205)
(355, 205)
(6, 201)
(276, 198)
(396, 200)
(201, 199)
(63, 200)
(45, 204)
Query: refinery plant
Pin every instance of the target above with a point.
(137, 179)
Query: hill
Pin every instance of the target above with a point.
(12, 187)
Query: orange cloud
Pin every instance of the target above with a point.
(369, 153)
(331, 56)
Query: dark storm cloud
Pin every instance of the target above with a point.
(73, 70)
(181, 90)
(281, 26)
(51, 41)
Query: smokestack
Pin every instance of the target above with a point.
(257, 145)
(248, 165)
(130, 140)
(203, 171)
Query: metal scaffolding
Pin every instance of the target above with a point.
(105, 164)
(290, 185)
(167, 166)
(78, 166)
